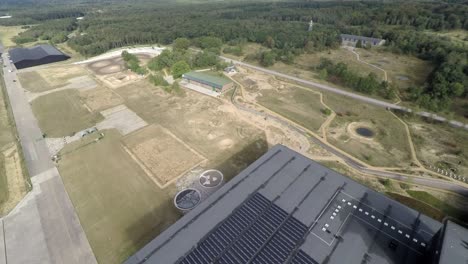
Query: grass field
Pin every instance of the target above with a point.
(440, 145)
(6, 138)
(312, 60)
(389, 146)
(418, 205)
(440, 205)
(63, 114)
(459, 36)
(119, 207)
(403, 70)
(33, 82)
(49, 78)
(13, 174)
(7, 33)
(299, 105)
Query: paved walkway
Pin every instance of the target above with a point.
(44, 227)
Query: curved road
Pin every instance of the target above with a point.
(349, 94)
(429, 182)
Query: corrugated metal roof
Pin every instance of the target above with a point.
(34, 53)
(346, 222)
(207, 78)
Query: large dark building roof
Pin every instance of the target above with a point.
(42, 54)
(453, 246)
(286, 208)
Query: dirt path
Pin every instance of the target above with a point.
(414, 156)
(358, 58)
(349, 160)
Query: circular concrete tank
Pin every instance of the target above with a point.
(187, 199)
(211, 178)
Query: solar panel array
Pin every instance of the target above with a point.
(257, 232)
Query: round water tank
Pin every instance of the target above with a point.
(187, 199)
(211, 178)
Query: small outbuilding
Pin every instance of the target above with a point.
(37, 55)
(208, 80)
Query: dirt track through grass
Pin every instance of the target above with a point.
(299, 105)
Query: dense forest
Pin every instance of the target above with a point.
(280, 26)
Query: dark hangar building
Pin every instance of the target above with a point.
(37, 55)
(286, 208)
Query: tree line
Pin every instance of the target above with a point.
(282, 28)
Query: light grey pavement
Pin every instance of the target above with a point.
(2, 244)
(429, 182)
(346, 93)
(44, 227)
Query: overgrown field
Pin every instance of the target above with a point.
(388, 147)
(440, 145)
(13, 174)
(7, 33)
(297, 104)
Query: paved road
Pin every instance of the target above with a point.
(346, 93)
(44, 227)
(429, 182)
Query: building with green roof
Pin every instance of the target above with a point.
(209, 80)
